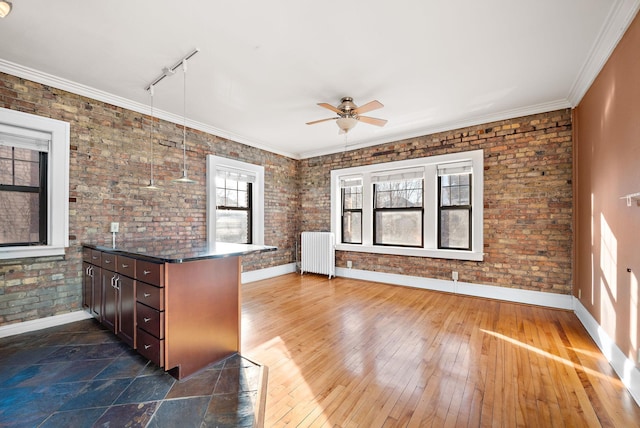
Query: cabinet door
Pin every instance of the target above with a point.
(96, 292)
(109, 299)
(126, 313)
(87, 286)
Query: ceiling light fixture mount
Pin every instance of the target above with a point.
(5, 8)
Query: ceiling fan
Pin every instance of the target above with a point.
(349, 114)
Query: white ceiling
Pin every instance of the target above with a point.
(263, 66)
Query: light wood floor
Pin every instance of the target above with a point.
(347, 353)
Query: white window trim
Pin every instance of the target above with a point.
(57, 188)
(430, 248)
(257, 195)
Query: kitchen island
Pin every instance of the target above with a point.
(176, 302)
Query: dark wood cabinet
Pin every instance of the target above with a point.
(182, 313)
(92, 283)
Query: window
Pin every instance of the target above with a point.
(351, 196)
(233, 206)
(397, 209)
(34, 185)
(23, 194)
(426, 207)
(235, 201)
(454, 214)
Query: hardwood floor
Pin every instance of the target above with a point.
(348, 353)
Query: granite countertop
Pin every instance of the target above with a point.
(175, 251)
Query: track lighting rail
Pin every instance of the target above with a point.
(170, 71)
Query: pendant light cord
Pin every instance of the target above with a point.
(151, 133)
(184, 115)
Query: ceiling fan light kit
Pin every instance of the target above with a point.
(349, 114)
(5, 8)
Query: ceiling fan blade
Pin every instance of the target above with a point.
(321, 120)
(372, 120)
(330, 107)
(370, 106)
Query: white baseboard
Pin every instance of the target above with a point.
(559, 301)
(623, 366)
(257, 275)
(40, 323)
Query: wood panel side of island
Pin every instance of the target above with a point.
(202, 313)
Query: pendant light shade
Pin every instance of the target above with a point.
(184, 178)
(151, 185)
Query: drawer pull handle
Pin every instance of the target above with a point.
(107, 261)
(94, 257)
(146, 319)
(147, 294)
(147, 346)
(146, 272)
(125, 266)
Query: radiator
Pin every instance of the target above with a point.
(318, 253)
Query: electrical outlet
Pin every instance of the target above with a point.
(454, 275)
(115, 227)
(579, 293)
(349, 264)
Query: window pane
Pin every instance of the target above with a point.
(6, 173)
(398, 194)
(220, 197)
(455, 190)
(27, 173)
(19, 217)
(232, 226)
(399, 228)
(352, 227)
(454, 229)
(243, 200)
(352, 198)
(231, 198)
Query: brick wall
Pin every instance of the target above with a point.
(109, 162)
(527, 202)
(528, 194)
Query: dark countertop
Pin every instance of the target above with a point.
(173, 251)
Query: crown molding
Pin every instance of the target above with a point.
(614, 27)
(443, 127)
(106, 97)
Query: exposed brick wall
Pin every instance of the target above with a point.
(527, 202)
(528, 197)
(109, 162)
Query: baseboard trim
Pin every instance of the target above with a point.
(551, 300)
(623, 366)
(41, 323)
(260, 274)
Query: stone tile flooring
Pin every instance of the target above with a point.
(81, 375)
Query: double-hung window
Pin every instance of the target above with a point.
(425, 207)
(235, 201)
(233, 206)
(351, 197)
(34, 185)
(398, 211)
(454, 210)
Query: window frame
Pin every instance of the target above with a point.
(467, 207)
(215, 163)
(41, 190)
(376, 210)
(349, 210)
(57, 188)
(248, 209)
(430, 205)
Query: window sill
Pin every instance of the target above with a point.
(7, 253)
(413, 252)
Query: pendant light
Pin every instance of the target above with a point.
(184, 178)
(151, 185)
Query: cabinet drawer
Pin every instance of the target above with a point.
(92, 256)
(151, 273)
(150, 320)
(126, 266)
(151, 347)
(150, 296)
(109, 261)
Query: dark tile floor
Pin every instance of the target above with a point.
(81, 375)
